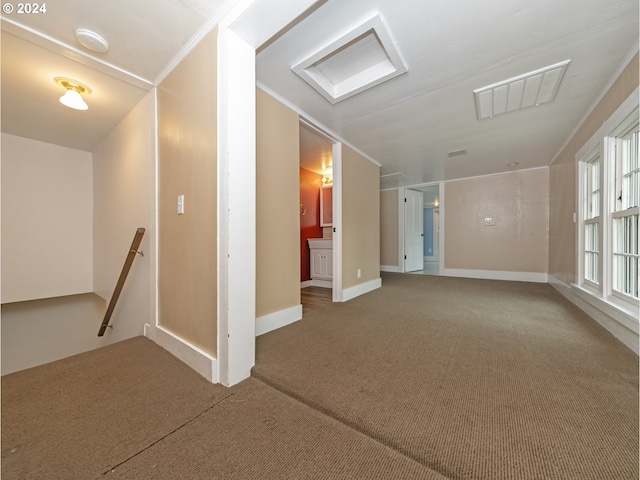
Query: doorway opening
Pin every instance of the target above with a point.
(422, 239)
(316, 211)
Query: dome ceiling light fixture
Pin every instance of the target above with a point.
(91, 41)
(74, 91)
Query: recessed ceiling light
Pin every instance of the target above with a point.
(91, 40)
(528, 90)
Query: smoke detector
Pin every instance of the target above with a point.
(92, 41)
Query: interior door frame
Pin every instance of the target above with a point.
(401, 223)
(413, 192)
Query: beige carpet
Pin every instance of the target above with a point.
(427, 377)
(133, 411)
(475, 379)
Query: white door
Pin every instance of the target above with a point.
(413, 231)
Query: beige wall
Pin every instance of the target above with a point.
(360, 219)
(123, 185)
(389, 226)
(562, 205)
(42, 331)
(519, 204)
(187, 165)
(277, 212)
(47, 215)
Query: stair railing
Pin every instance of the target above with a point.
(133, 250)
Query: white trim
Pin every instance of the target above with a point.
(493, 174)
(260, 21)
(199, 360)
(621, 325)
(625, 63)
(316, 282)
(390, 268)
(318, 125)
(612, 307)
(311, 68)
(306, 283)
(279, 319)
(154, 297)
(497, 275)
(227, 14)
(246, 18)
(50, 43)
(361, 289)
(441, 249)
(401, 227)
(336, 284)
(236, 208)
(621, 114)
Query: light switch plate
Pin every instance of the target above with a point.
(180, 204)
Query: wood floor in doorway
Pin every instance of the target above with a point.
(313, 298)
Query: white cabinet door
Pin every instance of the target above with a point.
(321, 264)
(317, 264)
(328, 261)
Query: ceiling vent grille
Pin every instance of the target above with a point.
(528, 90)
(360, 59)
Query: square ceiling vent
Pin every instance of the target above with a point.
(528, 90)
(360, 59)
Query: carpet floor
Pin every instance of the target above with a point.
(133, 411)
(425, 378)
(475, 379)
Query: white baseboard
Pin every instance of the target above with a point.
(320, 283)
(622, 326)
(199, 360)
(497, 275)
(357, 290)
(275, 320)
(306, 283)
(390, 268)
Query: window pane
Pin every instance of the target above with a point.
(629, 171)
(625, 254)
(595, 189)
(591, 252)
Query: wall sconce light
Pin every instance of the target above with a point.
(73, 95)
(327, 179)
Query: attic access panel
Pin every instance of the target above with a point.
(360, 59)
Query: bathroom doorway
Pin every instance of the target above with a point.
(316, 229)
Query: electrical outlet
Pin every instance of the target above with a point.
(489, 221)
(359, 273)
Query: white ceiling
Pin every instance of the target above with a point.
(407, 124)
(145, 36)
(452, 48)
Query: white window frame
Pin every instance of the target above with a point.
(617, 208)
(587, 216)
(602, 145)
